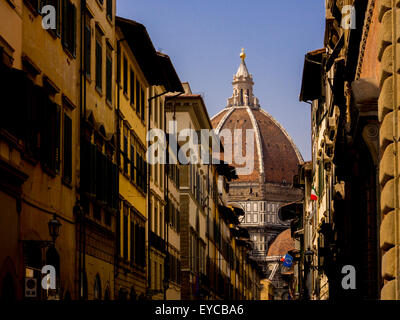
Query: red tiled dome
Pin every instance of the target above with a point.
(282, 244)
(279, 155)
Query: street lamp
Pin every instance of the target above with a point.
(54, 228)
(309, 256)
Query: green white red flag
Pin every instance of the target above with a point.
(314, 195)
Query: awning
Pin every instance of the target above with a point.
(312, 76)
(228, 215)
(224, 169)
(290, 211)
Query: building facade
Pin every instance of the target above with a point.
(39, 132)
(268, 184)
(348, 222)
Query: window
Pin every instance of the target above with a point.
(88, 47)
(137, 96)
(248, 218)
(107, 218)
(161, 277)
(125, 232)
(67, 149)
(125, 151)
(110, 9)
(132, 159)
(156, 107)
(142, 96)
(125, 76)
(56, 5)
(97, 288)
(161, 233)
(132, 240)
(132, 76)
(50, 136)
(97, 212)
(69, 26)
(155, 219)
(109, 76)
(99, 61)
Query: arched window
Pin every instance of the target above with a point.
(107, 294)
(241, 97)
(8, 289)
(97, 288)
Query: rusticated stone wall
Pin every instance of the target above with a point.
(388, 55)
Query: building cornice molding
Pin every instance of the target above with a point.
(364, 38)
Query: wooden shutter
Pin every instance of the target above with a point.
(137, 96)
(99, 58)
(67, 152)
(57, 135)
(87, 53)
(132, 76)
(142, 102)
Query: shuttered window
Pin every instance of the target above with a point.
(109, 76)
(132, 77)
(99, 62)
(125, 152)
(132, 240)
(109, 9)
(125, 232)
(142, 104)
(125, 66)
(69, 26)
(137, 96)
(88, 48)
(50, 136)
(67, 149)
(132, 161)
(56, 5)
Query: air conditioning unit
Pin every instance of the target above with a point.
(30, 287)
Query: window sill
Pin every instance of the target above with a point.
(31, 8)
(30, 158)
(11, 3)
(101, 5)
(66, 183)
(53, 33)
(49, 171)
(99, 91)
(109, 103)
(110, 20)
(70, 54)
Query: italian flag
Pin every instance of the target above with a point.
(314, 194)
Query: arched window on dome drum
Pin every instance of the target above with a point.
(241, 97)
(97, 288)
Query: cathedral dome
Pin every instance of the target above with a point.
(282, 244)
(276, 157)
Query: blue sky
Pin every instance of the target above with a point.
(204, 40)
